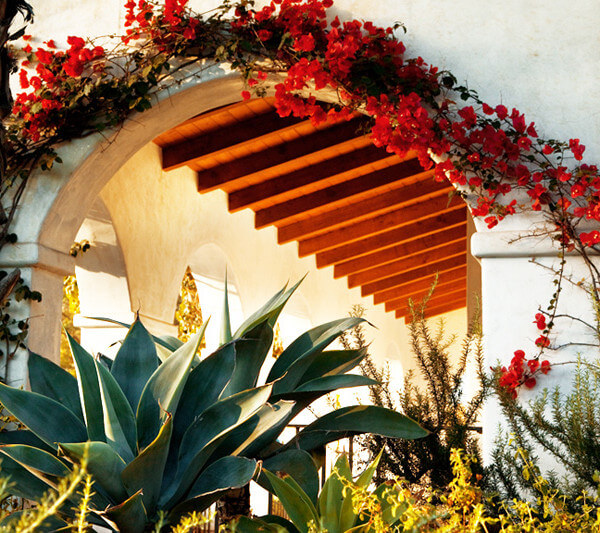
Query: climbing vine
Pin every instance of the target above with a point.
(492, 153)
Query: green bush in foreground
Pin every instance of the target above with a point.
(351, 506)
(166, 433)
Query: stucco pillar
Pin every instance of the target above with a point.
(43, 270)
(518, 281)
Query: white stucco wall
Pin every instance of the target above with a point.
(530, 55)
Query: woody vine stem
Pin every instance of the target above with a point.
(492, 154)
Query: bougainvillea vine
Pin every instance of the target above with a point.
(489, 152)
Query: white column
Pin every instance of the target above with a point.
(518, 281)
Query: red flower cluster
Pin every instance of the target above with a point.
(487, 150)
(522, 371)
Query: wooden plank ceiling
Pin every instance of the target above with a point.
(380, 220)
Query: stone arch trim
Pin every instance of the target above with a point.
(93, 161)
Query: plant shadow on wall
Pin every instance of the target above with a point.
(164, 433)
(440, 404)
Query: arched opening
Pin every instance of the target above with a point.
(378, 227)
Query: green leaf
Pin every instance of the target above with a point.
(129, 516)
(331, 499)
(24, 436)
(264, 524)
(146, 470)
(24, 483)
(202, 389)
(294, 361)
(299, 465)
(134, 363)
(245, 439)
(206, 433)
(45, 417)
(320, 386)
(354, 420)
(34, 459)
(119, 422)
(163, 390)
(268, 312)
(296, 503)
(51, 380)
(223, 475)
(89, 391)
(168, 344)
(333, 362)
(225, 336)
(103, 463)
(250, 353)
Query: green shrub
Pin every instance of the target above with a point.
(167, 433)
(557, 425)
(439, 406)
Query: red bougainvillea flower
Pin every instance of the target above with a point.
(542, 341)
(540, 321)
(545, 368)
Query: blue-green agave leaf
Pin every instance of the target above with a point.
(268, 312)
(130, 516)
(51, 524)
(295, 501)
(35, 460)
(163, 390)
(134, 363)
(45, 417)
(225, 335)
(104, 465)
(316, 388)
(333, 363)
(24, 483)
(245, 439)
(309, 343)
(24, 436)
(354, 420)
(206, 433)
(89, 391)
(295, 463)
(223, 475)
(52, 381)
(202, 389)
(145, 472)
(250, 353)
(119, 422)
(163, 340)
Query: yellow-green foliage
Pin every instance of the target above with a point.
(70, 308)
(189, 313)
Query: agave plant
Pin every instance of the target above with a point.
(165, 432)
(343, 505)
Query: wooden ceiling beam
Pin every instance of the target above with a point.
(420, 186)
(386, 255)
(417, 296)
(386, 221)
(413, 275)
(407, 264)
(231, 173)
(193, 150)
(360, 187)
(438, 310)
(421, 284)
(409, 232)
(254, 194)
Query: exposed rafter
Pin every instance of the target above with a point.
(379, 219)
